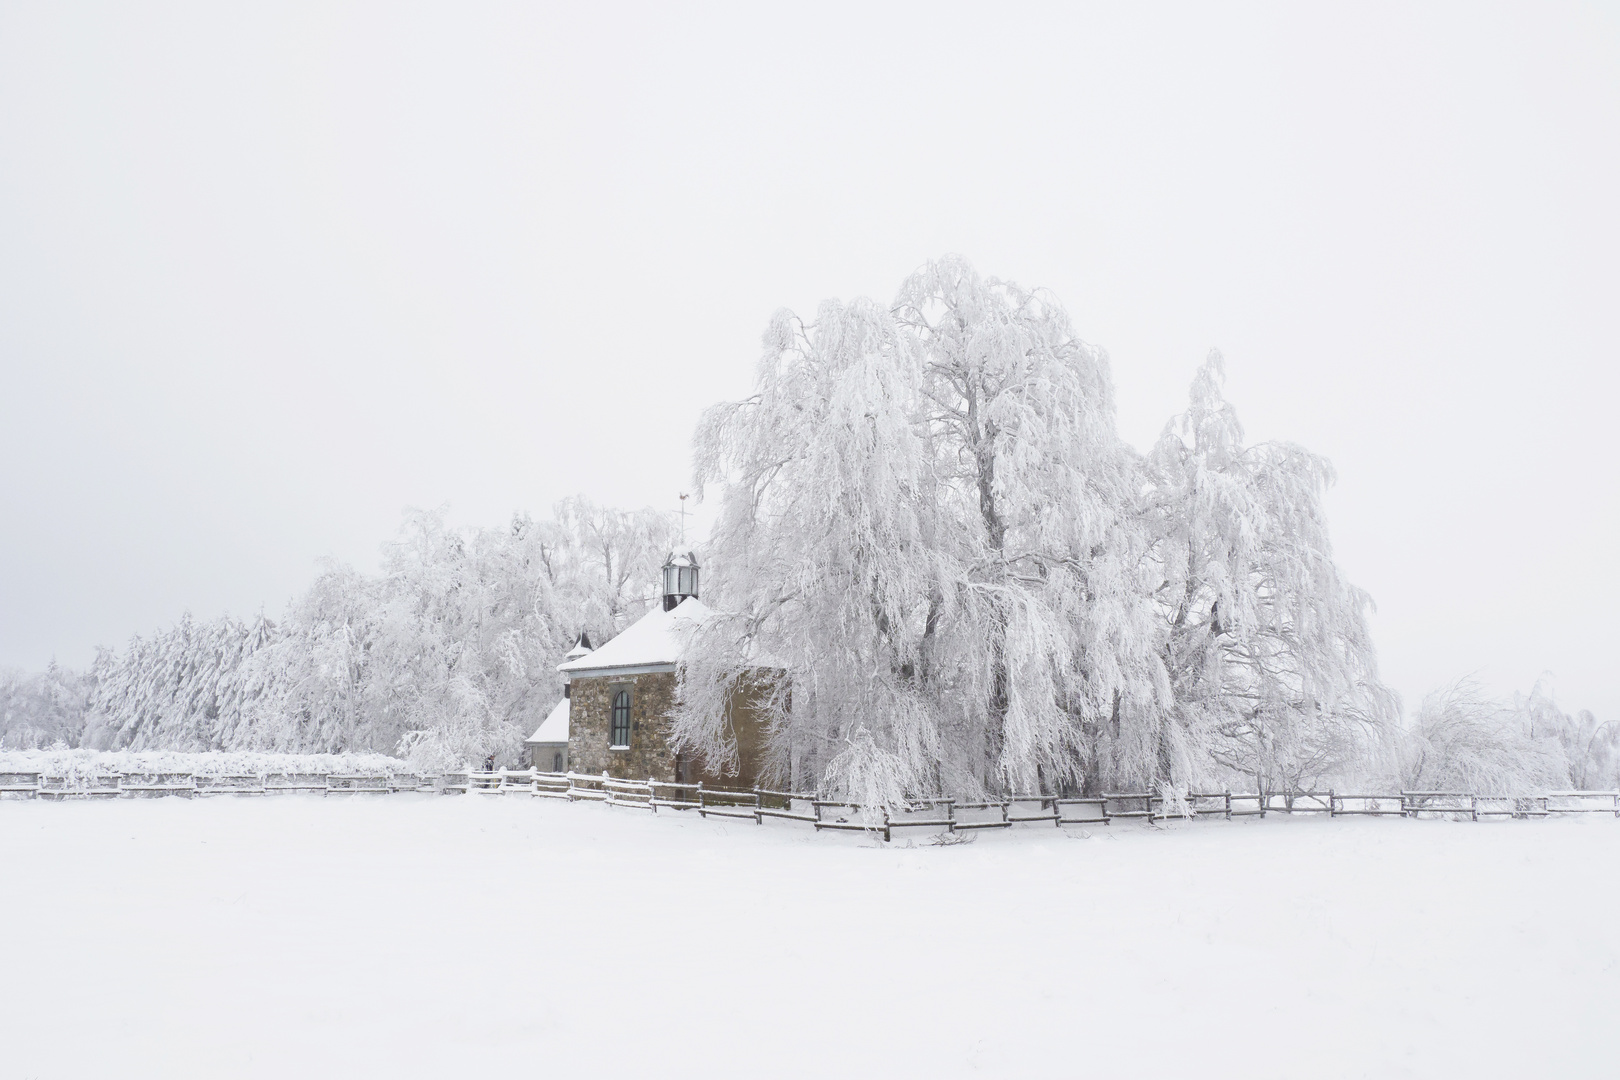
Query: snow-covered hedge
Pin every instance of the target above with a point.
(82, 765)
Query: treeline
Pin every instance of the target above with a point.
(447, 655)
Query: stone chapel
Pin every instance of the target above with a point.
(614, 716)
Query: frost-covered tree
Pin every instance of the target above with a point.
(1272, 669)
(1592, 749)
(946, 571)
(42, 709)
(825, 565)
(179, 689)
(1462, 741)
(1040, 493)
(925, 546)
(312, 687)
(601, 563)
(1593, 752)
(449, 654)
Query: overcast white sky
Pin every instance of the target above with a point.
(269, 276)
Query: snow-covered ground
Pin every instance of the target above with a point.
(414, 935)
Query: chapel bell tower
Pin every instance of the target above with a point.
(680, 578)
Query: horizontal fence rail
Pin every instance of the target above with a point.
(964, 815)
(951, 815)
(143, 785)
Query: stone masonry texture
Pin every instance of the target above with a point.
(652, 698)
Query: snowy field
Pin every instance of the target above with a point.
(414, 935)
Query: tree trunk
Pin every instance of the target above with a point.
(982, 440)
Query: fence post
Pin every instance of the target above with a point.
(759, 804)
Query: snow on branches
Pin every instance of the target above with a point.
(952, 574)
(1272, 669)
(1462, 741)
(448, 655)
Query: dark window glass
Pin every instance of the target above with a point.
(556, 762)
(620, 735)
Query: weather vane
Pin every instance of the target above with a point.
(683, 519)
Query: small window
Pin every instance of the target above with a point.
(620, 733)
(556, 762)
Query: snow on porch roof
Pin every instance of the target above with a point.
(656, 639)
(554, 728)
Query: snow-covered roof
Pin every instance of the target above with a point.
(582, 647)
(655, 641)
(555, 726)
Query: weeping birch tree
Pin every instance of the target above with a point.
(926, 539)
(827, 569)
(1272, 669)
(1042, 498)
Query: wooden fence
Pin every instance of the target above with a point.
(34, 785)
(955, 815)
(756, 804)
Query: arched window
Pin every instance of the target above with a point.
(620, 733)
(556, 762)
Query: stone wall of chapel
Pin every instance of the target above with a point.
(652, 699)
(543, 756)
(743, 725)
(590, 715)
